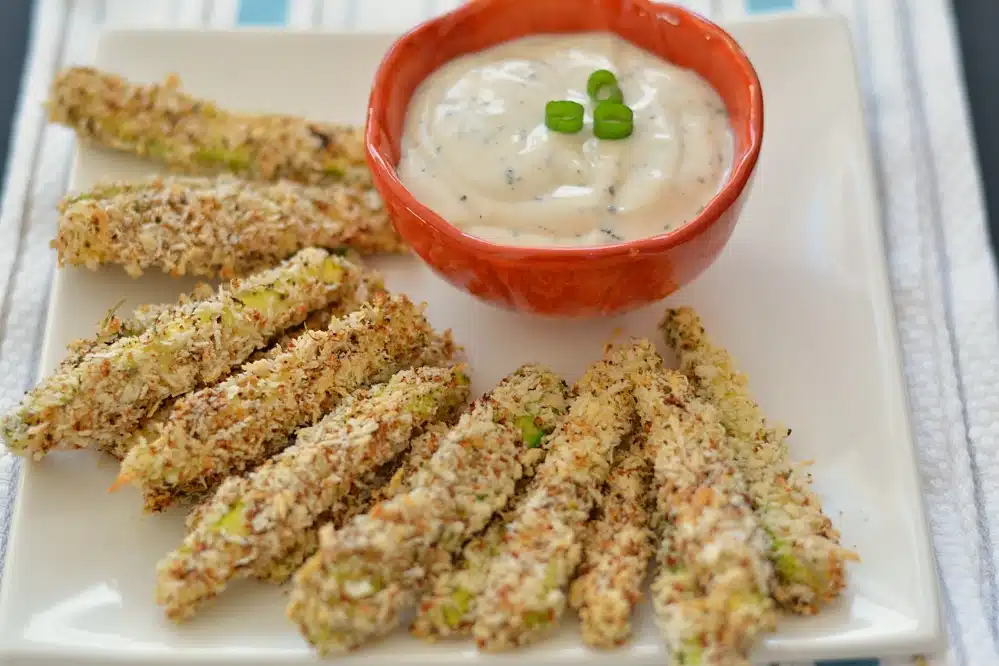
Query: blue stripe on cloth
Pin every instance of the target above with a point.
(262, 12)
(849, 662)
(760, 6)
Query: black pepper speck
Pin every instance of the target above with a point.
(324, 139)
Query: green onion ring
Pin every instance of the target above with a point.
(564, 116)
(613, 120)
(600, 79)
(610, 92)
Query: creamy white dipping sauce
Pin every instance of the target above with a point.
(476, 149)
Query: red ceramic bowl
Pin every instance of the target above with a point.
(566, 282)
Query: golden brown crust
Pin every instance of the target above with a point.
(259, 518)
(217, 227)
(525, 591)
(713, 543)
(234, 425)
(196, 137)
(104, 396)
(367, 573)
(616, 552)
(806, 552)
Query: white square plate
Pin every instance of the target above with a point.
(800, 297)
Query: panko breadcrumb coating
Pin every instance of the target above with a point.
(715, 543)
(806, 553)
(220, 226)
(366, 574)
(260, 516)
(683, 612)
(113, 327)
(105, 396)
(387, 482)
(319, 319)
(234, 425)
(448, 609)
(196, 137)
(525, 591)
(374, 483)
(616, 552)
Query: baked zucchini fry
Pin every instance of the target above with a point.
(197, 513)
(683, 613)
(259, 516)
(806, 552)
(196, 137)
(525, 591)
(235, 425)
(715, 537)
(616, 553)
(219, 226)
(110, 391)
(113, 328)
(367, 573)
(390, 480)
(318, 319)
(400, 479)
(448, 608)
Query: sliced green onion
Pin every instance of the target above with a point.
(610, 92)
(600, 79)
(564, 116)
(613, 120)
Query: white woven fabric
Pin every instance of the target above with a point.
(942, 270)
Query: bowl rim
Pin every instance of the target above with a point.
(738, 179)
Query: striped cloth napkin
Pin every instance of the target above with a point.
(942, 271)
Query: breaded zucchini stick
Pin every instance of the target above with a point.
(367, 573)
(260, 516)
(686, 617)
(150, 427)
(715, 537)
(401, 478)
(111, 390)
(392, 479)
(448, 609)
(375, 480)
(616, 553)
(113, 328)
(219, 226)
(809, 560)
(194, 136)
(525, 590)
(233, 426)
